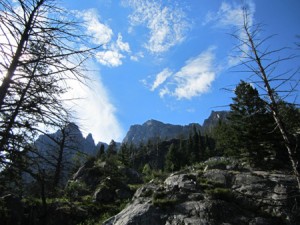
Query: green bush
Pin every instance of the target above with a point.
(220, 193)
(75, 189)
(162, 200)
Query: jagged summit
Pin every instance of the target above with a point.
(213, 119)
(154, 129)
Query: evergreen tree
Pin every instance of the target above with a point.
(173, 159)
(250, 121)
(112, 149)
(101, 152)
(124, 155)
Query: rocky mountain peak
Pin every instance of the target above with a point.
(214, 119)
(152, 122)
(154, 129)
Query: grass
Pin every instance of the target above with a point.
(220, 193)
(162, 200)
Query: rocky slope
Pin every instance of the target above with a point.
(217, 192)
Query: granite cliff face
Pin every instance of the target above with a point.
(154, 130)
(220, 192)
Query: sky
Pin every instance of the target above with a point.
(169, 60)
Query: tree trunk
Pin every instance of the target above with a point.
(274, 107)
(5, 134)
(58, 167)
(15, 60)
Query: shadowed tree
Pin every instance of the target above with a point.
(42, 46)
(262, 63)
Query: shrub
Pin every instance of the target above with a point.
(75, 189)
(220, 193)
(162, 200)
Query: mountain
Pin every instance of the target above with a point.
(72, 138)
(153, 129)
(65, 149)
(214, 119)
(156, 130)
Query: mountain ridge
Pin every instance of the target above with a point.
(154, 129)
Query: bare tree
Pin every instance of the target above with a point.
(41, 46)
(262, 64)
(57, 151)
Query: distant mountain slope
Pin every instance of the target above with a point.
(153, 129)
(74, 146)
(74, 141)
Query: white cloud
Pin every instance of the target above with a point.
(193, 79)
(95, 110)
(111, 54)
(167, 25)
(100, 32)
(122, 46)
(196, 77)
(230, 15)
(161, 78)
(164, 91)
(109, 58)
(136, 57)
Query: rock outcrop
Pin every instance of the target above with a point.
(214, 119)
(208, 195)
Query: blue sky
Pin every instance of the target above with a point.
(168, 60)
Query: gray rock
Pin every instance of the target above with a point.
(103, 195)
(137, 214)
(181, 181)
(221, 177)
(241, 198)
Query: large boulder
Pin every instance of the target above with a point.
(138, 214)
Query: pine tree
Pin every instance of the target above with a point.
(250, 121)
(172, 159)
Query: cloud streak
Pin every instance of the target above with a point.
(166, 24)
(232, 16)
(93, 106)
(196, 77)
(113, 51)
(193, 79)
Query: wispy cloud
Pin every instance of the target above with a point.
(100, 32)
(196, 77)
(113, 51)
(193, 79)
(137, 56)
(110, 58)
(231, 16)
(167, 25)
(161, 78)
